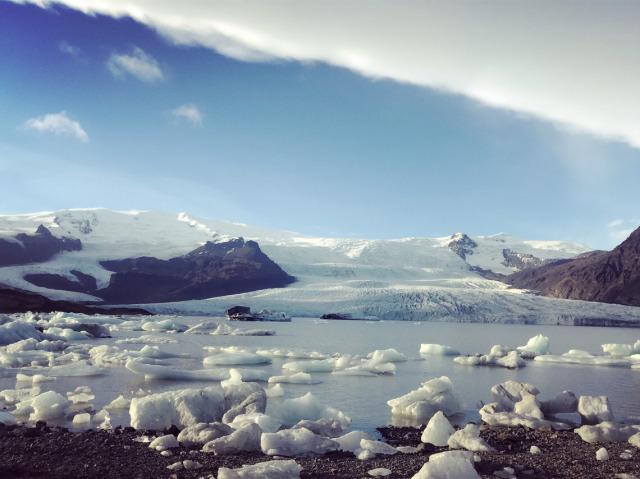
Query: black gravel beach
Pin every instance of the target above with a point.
(56, 453)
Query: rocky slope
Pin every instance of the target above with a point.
(603, 276)
(40, 246)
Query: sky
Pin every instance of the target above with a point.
(401, 119)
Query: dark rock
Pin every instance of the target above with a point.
(604, 276)
(84, 284)
(462, 245)
(34, 248)
(214, 269)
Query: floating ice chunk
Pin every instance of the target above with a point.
(387, 356)
(32, 344)
(238, 375)
(448, 465)
(291, 354)
(7, 419)
(350, 442)
(295, 442)
(422, 403)
(180, 408)
(266, 423)
(564, 402)
(535, 450)
(408, 449)
(297, 378)
(13, 396)
(322, 366)
(512, 360)
(162, 443)
(437, 431)
(577, 356)
(535, 346)
(202, 433)
(373, 448)
(164, 325)
(602, 454)
(35, 379)
(80, 368)
(155, 352)
(226, 330)
(81, 395)
(510, 392)
(16, 331)
(153, 371)
(81, 421)
(245, 439)
(146, 339)
(321, 427)
(594, 409)
(379, 472)
(204, 327)
(234, 359)
(438, 350)
(263, 470)
(46, 406)
(606, 431)
(119, 403)
(66, 334)
(621, 349)
(290, 411)
(469, 439)
(276, 391)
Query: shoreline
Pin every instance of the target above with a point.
(48, 452)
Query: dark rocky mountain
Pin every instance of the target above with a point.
(84, 283)
(36, 248)
(18, 301)
(462, 245)
(214, 269)
(604, 276)
(520, 261)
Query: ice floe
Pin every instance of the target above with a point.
(438, 350)
(297, 378)
(234, 358)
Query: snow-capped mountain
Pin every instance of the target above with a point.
(408, 278)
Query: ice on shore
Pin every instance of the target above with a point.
(181, 408)
(607, 431)
(296, 442)
(267, 423)
(369, 448)
(438, 350)
(163, 443)
(602, 454)
(81, 421)
(350, 442)
(293, 410)
(297, 378)
(245, 439)
(379, 472)
(594, 409)
(44, 407)
(279, 469)
(7, 419)
(634, 440)
(448, 465)
(322, 427)
(517, 405)
(535, 450)
(469, 438)
(421, 404)
(202, 433)
(437, 431)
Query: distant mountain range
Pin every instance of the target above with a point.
(176, 263)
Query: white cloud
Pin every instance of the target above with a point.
(68, 49)
(138, 64)
(58, 124)
(560, 61)
(188, 112)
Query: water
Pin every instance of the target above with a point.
(364, 398)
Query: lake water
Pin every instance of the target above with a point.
(364, 398)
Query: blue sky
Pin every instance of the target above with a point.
(301, 145)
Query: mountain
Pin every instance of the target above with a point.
(443, 278)
(24, 248)
(604, 276)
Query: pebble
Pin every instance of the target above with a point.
(379, 472)
(535, 450)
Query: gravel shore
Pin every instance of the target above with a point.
(55, 453)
